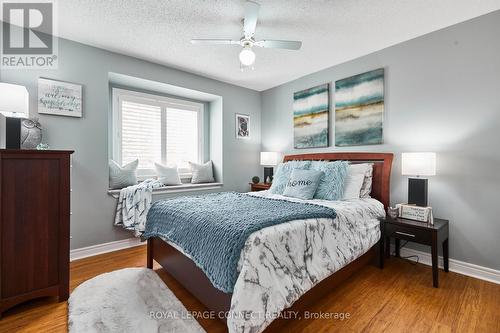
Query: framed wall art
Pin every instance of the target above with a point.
(311, 109)
(359, 109)
(242, 126)
(59, 98)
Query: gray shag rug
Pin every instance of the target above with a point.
(128, 300)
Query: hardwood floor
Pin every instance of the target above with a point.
(399, 298)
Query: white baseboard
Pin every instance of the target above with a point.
(457, 266)
(94, 250)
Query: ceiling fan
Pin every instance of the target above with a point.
(247, 42)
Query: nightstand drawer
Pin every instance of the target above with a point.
(259, 187)
(408, 233)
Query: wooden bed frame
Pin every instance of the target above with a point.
(185, 271)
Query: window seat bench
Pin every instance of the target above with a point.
(176, 188)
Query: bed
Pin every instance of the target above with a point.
(360, 236)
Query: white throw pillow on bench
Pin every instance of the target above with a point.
(202, 173)
(168, 175)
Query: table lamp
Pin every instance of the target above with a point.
(14, 106)
(418, 164)
(14, 100)
(269, 160)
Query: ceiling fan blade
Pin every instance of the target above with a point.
(251, 16)
(280, 44)
(215, 42)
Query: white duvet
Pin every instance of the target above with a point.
(280, 263)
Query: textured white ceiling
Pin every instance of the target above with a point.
(332, 31)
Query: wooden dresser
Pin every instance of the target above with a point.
(34, 225)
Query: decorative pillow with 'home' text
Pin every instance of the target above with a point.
(302, 184)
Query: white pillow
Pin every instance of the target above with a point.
(167, 175)
(202, 173)
(356, 176)
(352, 186)
(120, 177)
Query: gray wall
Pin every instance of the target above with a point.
(92, 207)
(442, 95)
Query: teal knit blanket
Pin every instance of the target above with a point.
(213, 228)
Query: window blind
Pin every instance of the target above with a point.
(141, 134)
(182, 137)
(156, 129)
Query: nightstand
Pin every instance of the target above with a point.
(433, 235)
(259, 186)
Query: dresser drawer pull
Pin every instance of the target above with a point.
(405, 234)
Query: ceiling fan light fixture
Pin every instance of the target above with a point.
(247, 41)
(247, 56)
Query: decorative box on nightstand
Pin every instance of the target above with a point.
(259, 186)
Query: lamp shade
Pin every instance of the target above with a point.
(14, 100)
(269, 158)
(418, 164)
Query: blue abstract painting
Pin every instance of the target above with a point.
(310, 117)
(359, 109)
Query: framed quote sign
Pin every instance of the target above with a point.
(416, 213)
(59, 98)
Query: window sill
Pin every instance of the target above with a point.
(182, 176)
(176, 188)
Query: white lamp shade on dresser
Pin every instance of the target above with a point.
(14, 100)
(269, 158)
(418, 164)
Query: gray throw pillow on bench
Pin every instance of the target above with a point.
(120, 177)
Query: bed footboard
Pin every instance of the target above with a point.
(185, 271)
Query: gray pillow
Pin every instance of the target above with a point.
(283, 172)
(120, 177)
(202, 173)
(302, 184)
(331, 186)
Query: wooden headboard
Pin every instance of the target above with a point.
(382, 165)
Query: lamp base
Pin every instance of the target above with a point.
(268, 174)
(417, 191)
(10, 132)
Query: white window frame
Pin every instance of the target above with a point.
(119, 95)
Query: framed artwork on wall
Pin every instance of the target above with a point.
(359, 109)
(311, 108)
(59, 98)
(242, 126)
